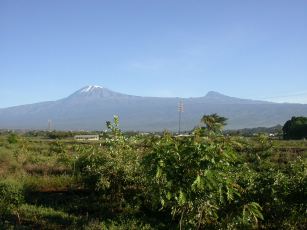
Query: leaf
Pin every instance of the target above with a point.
(116, 120)
(221, 194)
(211, 179)
(198, 183)
(169, 195)
(182, 198)
(162, 202)
(159, 172)
(252, 211)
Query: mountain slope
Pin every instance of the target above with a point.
(89, 108)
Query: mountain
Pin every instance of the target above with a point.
(95, 92)
(89, 108)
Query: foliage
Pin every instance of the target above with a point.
(49, 183)
(57, 147)
(11, 197)
(131, 181)
(12, 138)
(59, 134)
(56, 134)
(111, 171)
(193, 178)
(296, 128)
(281, 193)
(46, 218)
(214, 122)
(118, 225)
(249, 132)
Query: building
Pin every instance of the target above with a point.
(87, 137)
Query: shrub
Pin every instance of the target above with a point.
(194, 179)
(114, 172)
(11, 197)
(11, 193)
(8, 163)
(12, 138)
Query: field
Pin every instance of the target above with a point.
(152, 182)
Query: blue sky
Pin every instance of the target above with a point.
(248, 49)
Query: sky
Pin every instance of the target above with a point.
(254, 49)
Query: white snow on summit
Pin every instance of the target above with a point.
(95, 91)
(90, 88)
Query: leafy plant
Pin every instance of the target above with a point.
(214, 122)
(193, 179)
(11, 197)
(12, 138)
(296, 128)
(112, 171)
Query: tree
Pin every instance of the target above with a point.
(296, 128)
(214, 122)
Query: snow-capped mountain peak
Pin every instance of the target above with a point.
(95, 91)
(90, 88)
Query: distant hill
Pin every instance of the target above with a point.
(275, 130)
(89, 108)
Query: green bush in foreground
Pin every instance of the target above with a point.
(11, 197)
(12, 138)
(194, 179)
(113, 172)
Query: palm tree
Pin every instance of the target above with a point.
(214, 122)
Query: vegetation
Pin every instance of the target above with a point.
(203, 181)
(214, 122)
(296, 128)
(275, 131)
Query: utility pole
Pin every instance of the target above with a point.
(180, 111)
(49, 125)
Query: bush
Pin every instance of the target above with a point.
(194, 179)
(11, 193)
(12, 138)
(8, 163)
(11, 197)
(114, 172)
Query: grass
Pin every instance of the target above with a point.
(36, 217)
(49, 183)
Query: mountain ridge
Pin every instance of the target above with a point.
(89, 107)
